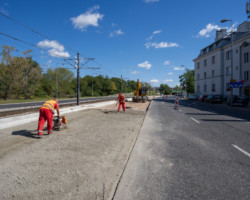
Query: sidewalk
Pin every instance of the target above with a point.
(82, 161)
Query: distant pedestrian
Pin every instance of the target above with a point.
(121, 101)
(46, 113)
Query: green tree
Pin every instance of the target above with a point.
(165, 89)
(187, 81)
(58, 81)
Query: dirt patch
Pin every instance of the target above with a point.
(82, 161)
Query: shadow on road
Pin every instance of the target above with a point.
(213, 109)
(26, 133)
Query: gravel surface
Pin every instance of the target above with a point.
(82, 161)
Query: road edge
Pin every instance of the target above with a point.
(114, 189)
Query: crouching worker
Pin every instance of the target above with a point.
(46, 113)
(121, 101)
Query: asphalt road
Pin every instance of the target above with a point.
(34, 104)
(200, 151)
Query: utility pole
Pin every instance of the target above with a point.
(56, 85)
(78, 78)
(78, 67)
(121, 83)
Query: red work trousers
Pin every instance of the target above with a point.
(123, 106)
(45, 114)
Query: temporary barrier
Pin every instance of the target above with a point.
(176, 103)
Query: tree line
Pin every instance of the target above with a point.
(22, 77)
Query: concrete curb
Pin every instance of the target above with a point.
(24, 119)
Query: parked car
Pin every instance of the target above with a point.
(202, 97)
(214, 99)
(192, 97)
(237, 101)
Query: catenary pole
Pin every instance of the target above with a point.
(78, 79)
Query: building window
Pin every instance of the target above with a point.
(246, 60)
(228, 87)
(205, 74)
(228, 70)
(212, 73)
(198, 76)
(213, 87)
(198, 65)
(205, 88)
(198, 88)
(228, 55)
(205, 63)
(213, 59)
(246, 76)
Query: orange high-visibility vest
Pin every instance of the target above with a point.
(121, 99)
(49, 105)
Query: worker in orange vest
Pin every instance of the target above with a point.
(46, 113)
(121, 101)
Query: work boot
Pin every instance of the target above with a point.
(39, 135)
(49, 132)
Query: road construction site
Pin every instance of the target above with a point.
(84, 160)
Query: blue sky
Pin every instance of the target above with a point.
(153, 40)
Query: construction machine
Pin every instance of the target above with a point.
(139, 93)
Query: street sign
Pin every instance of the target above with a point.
(236, 84)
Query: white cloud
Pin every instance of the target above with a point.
(134, 72)
(154, 81)
(145, 65)
(167, 62)
(116, 33)
(55, 49)
(154, 33)
(157, 32)
(167, 80)
(207, 31)
(170, 73)
(161, 45)
(179, 68)
(151, 1)
(89, 18)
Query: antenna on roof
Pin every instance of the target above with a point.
(248, 9)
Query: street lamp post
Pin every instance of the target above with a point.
(92, 83)
(223, 21)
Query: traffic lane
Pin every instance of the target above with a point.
(34, 104)
(237, 112)
(229, 129)
(193, 149)
(170, 162)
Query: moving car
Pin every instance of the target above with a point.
(214, 99)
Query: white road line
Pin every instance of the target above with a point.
(241, 150)
(195, 120)
(180, 110)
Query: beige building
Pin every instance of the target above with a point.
(213, 70)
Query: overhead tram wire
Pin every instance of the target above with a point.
(41, 34)
(31, 29)
(14, 38)
(104, 67)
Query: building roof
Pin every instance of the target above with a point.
(242, 31)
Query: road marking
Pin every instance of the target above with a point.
(180, 110)
(195, 120)
(241, 150)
